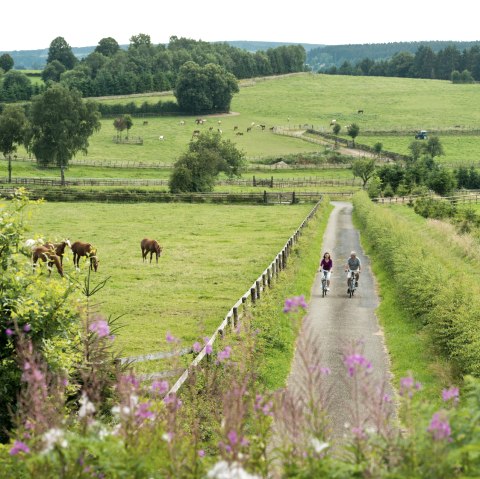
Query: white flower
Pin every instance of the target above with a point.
(224, 470)
(87, 407)
(54, 436)
(318, 445)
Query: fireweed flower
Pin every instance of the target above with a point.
(355, 362)
(439, 427)
(292, 305)
(208, 347)
(160, 387)
(143, 411)
(9, 332)
(450, 394)
(19, 446)
(197, 347)
(408, 386)
(233, 437)
(100, 327)
(170, 338)
(225, 354)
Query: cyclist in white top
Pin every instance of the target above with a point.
(353, 265)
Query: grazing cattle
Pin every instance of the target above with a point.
(211, 128)
(219, 122)
(272, 128)
(235, 128)
(47, 255)
(59, 248)
(145, 123)
(150, 246)
(360, 111)
(239, 133)
(181, 123)
(195, 133)
(81, 249)
(161, 138)
(333, 122)
(198, 121)
(263, 127)
(249, 129)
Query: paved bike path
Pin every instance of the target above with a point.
(335, 321)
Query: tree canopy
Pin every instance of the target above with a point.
(207, 156)
(60, 50)
(61, 124)
(6, 62)
(204, 89)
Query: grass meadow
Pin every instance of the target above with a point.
(399, 104)
(212, 254)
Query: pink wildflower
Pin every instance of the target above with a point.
(292, 305)
(27, 328)
(408, 386)
(232, 437)
(439, 427)
(143, 411)
(225, 354)
(19, 446)
(9, 332)
(355, 361)
(208, 349)
(201, 453)
(160, 387)
(197, 347)
(100, 327)
(170, 338)
(451, 393)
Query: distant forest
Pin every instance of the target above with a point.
(143, 67)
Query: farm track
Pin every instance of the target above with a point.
(335, 322)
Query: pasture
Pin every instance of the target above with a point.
(211, 256)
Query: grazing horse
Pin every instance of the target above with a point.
(360, 111)
(80, 249)
(59, 248)
(150, 246)
(47, 255)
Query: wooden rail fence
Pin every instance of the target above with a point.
(251, 296)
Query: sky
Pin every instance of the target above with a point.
(32, 25)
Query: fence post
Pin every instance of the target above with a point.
(271, 182)
(269, 278)
(265, 196)
(258, 288)
(254, 181)
(235, 317)
(252, 294)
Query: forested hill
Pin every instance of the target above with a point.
(37, 59)
(335, 55)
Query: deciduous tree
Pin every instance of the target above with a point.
(352, 131)
(61, 124)
(207, 156)
(13, 123)
(107, 46)
(6, 62)
(60, 50)
(364, 168)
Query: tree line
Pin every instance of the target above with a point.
(448, 63)
(144, 67)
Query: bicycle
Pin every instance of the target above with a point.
(352, 284)
(324, 283)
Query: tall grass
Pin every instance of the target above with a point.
(438, 294)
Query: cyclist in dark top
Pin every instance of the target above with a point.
(353, 265)
(327, 264)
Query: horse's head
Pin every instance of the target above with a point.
(67, 243)
(158, 249)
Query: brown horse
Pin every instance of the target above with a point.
(47, 255)
(150, 246)
(59, 248)
(80, 249)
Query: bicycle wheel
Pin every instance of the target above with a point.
(324, 289)
(350, 290)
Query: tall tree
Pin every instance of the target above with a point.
(364, 168)
(107, 46)
(352, 131)
(207, 156)
(53, 71)
(60, 50)
(204, 89)
(6, 62)
(61, 124)
(13, 123)
(16, 86)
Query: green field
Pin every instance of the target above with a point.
(389, 104)
(212, 254)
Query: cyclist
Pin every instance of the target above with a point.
(353, 265)
(327, 264)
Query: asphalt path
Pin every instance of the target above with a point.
(335, 322)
